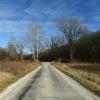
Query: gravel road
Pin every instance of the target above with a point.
(47, 83)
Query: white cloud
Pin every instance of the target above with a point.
(6, 12)
(54, 10)
(13, 26)
(97, 18)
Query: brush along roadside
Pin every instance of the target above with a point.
(12, 71)
(86, 74)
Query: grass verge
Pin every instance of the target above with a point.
(87, 75)
(20, 71)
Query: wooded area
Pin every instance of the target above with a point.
(76, 43)
(86, 49)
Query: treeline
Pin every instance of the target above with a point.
(24, 47)
(76, 43)
(85, 49)
(11, 53)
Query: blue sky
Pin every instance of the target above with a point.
(16, 15)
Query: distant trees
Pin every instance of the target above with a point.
(31, 42)
(12, 52)
(9, 53)
(75, 44)
(20, 45)
(25, 46)
(34, 38)
(4, 54)
(78, 43)
(87, 47)
(56, 42)
(57, 49)
(72, 29)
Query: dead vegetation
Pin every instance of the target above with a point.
(5, 75)
(86, 74)
(11, 71)
(14, 67)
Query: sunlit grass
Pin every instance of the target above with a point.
(86, 74)
(13, 75)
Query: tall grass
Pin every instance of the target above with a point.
(86, 74)
(15, 70)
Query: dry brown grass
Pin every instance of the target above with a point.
(5, 75)
(11, 71)
(13, 67)
(86, 74)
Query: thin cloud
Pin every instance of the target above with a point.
(15, 15)
(97, 18)
(13, 26)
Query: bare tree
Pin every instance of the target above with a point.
(20, 49)
(12, 50)
(71, 28)
(57, 41)
(20, 45)
(34, 39)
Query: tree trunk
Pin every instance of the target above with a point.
(71, 54)
(37, 56)
(20, 56)
(33, 56)
(37, 47)
(37, 52)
